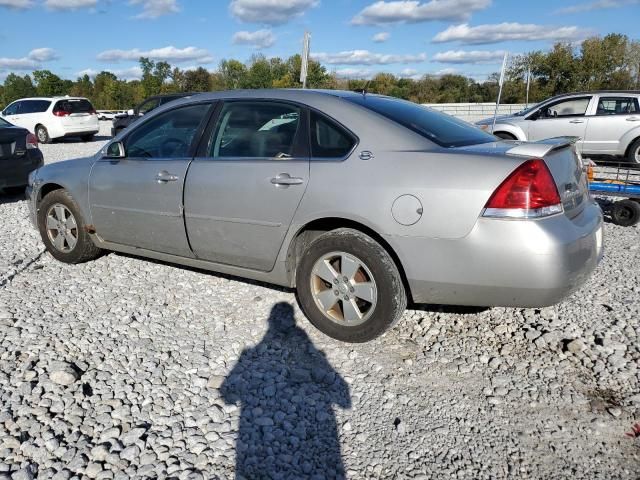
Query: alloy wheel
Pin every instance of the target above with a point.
(62, 228)
(343, 288)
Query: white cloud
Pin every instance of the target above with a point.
(412, 11)
(43, 54)
(501, 32)
(16, 4)
(365, 57)
(32, 61)
(272, 12)
(598, 5)
(381, 37)
(156, 8)
(258, 39)
(351, 73)
(167, 54)
(70, 4)
(133, 73)
(447, 71)
(473, 56)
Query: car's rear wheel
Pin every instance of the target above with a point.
(634, 152)
(349, 286)
(42, 134)
(626, 213)
(62, 229)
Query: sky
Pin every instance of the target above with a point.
(353, 38)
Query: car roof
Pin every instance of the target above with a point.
(280, 93)
(598, 92)
(51, 98)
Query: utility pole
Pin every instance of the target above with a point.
(304, 67)
(500, 82)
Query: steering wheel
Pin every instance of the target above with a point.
(172, 145)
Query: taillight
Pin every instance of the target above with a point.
(32, 141)
(61, 113)
(529, 192)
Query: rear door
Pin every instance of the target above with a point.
(137, 201)
(244, 188)
(614, 116)
(566, 117)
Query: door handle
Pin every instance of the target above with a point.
(633, 119)
(284, 179)
(576, 121)
(164, 177)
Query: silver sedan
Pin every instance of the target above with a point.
(361, 202)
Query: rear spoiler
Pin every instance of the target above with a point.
(542, 147)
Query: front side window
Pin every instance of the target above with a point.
(255, 130)
(328, 140)
(168, 135)
(573, 107)
(12, 109)
(617, 106)
(4, 123)
(440, 128)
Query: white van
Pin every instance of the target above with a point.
(55, 117)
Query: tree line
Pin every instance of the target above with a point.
(610, 62)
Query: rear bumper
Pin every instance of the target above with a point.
(14, 172)
(505, 262)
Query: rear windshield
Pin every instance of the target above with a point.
(442, 129)
(74, 106)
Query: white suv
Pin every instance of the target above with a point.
(55, 117)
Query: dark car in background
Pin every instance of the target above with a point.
(123, 120)
(19, 156)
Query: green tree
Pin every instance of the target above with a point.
(232, 73)
(16, 87)
(197, 80)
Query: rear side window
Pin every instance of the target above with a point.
(328, 140)
(617, 106)
(74, 106)
(34, 106)
(438, 127)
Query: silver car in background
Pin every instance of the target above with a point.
(607, 123)
(361, 202)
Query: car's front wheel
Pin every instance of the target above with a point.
(62, 229)
(349, 286)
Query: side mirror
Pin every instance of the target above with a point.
(115, 150)
(131, 112)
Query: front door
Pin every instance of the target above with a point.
(243, 192)
(562, 118)
(137, 200)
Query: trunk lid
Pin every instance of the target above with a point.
(12, 142)
(560, 156)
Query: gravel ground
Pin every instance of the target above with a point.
(128, 368)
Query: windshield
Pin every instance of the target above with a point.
(524, 112)
(440, 128)
(74, 106)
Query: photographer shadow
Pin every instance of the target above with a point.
(286, 390)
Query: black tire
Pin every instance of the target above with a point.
(42, 134)
(391, 296)
(87, 138)
(633, 156)
(625, 213)
(84, 249)
(505, 136)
